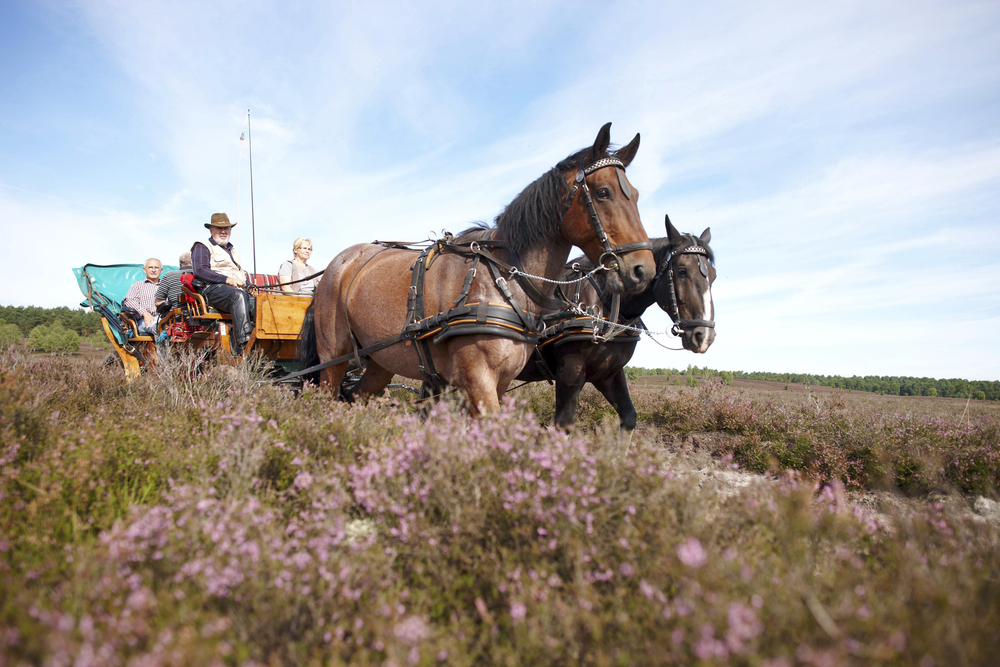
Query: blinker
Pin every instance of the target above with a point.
(624, 183)
(703, 265)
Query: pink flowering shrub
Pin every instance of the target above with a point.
(247, 526)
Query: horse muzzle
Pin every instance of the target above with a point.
(630, 273)
(697, 338)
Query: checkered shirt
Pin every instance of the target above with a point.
(141, 297)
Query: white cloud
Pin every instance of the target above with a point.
(828, 147)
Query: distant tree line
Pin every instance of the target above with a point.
(26, 318)
(892, 385)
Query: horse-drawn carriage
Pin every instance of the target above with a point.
(193, 325)
(472, 311)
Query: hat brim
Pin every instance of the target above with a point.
(209, 225)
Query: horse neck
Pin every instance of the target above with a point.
(545, 259)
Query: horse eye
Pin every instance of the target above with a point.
(682, 272)
(603, 193)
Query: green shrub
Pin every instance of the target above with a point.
(53, 338)
(10, 334)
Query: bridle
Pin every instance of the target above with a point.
(667, 269)
(610, 258)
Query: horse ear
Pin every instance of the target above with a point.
(706, 236)
(673, 235)
(626, 153)
(601, 143)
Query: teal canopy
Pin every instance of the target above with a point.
(108, 285)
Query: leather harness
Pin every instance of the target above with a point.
(506, 320)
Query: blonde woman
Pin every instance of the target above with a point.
(298, 268)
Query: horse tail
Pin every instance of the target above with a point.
(306, 347)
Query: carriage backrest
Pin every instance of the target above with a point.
(265, 280)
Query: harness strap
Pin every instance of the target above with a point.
(501, 283)
(425, 359)
(529, 287)
(463, 295)
(364, 352)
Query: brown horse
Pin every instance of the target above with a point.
(365, 290)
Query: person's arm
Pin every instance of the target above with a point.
(131, 300)
(201, 263)
(285, 278)
(161, 292)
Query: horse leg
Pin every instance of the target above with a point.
(373, 382)
(615, 389)
(331, 378)
(570, 378)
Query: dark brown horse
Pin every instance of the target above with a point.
(682, 288)
(585, 200)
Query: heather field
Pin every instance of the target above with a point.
(207, 519)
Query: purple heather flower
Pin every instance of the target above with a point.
(691, 553)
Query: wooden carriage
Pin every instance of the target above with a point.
(193, 325)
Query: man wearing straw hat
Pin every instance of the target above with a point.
(216, 264)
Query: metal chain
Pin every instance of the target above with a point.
(514, 271)
(616, 328)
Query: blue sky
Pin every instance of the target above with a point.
(846, 156)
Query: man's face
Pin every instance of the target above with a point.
(152, 269)
(221, 234)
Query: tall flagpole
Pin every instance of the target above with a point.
(253, 225)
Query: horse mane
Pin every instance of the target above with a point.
(535, 215)
(476, 232)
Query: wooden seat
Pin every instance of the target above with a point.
(132, 329)
(198, 308)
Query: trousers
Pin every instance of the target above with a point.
(237, 303)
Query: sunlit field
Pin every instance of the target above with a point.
(199, 517)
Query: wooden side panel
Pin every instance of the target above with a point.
(129, 362)
(279, 316)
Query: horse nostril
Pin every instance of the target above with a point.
(698, 337)
(639, 272)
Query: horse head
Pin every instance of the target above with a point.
(602, 217)
(684, 287)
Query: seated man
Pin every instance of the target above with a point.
(169, 292)
(216, 263)
(141, 297)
